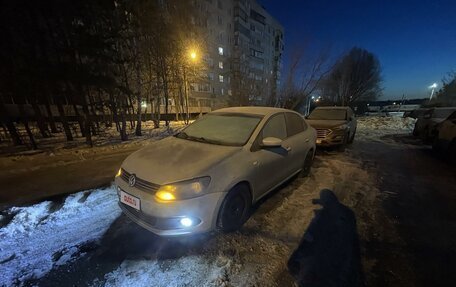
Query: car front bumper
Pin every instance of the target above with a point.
(328, 137)
(164, 219)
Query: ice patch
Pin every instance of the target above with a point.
(30, 241)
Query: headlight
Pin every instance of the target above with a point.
(183, 189)
(119, 173)
(341, 127)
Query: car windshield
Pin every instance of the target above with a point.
(442, 114)
(328, 114)
(222, 128)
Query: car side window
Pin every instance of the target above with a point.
(275, 127)
(295, 124)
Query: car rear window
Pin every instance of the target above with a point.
(328, 114)
(442, 114)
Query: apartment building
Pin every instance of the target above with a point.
(242, 54)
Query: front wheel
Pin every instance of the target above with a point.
(235, 209)
(307, 164)
(352, 138)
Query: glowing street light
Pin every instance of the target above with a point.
(433, 87)
(193, 55)
(193, 58)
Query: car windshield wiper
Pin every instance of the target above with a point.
(181, 135)
(203, 140)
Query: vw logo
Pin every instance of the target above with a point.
(132, 180)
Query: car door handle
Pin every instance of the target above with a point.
(288, 148)
(307, 140)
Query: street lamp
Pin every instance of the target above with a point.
(193, 58)
(433, 87)
(308, 104)
(193, 55)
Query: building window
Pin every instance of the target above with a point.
(220, 21)
(220, 51)
(221, 78)
(222, 91)
(219, 4)
(220, 64)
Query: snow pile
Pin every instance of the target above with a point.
(373, 128)
(185, 271)
(47, 234)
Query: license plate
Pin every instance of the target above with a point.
(130, 200)
(318, 141)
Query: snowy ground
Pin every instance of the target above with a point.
(329, 228)
(42, 236)
(55, 151)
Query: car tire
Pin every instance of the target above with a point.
(307, 166)
(235, 209)
(344, 143)
(352, 137)
(452, 152)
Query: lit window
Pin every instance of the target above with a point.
(220, 50)
(221, 78)
(221, 65)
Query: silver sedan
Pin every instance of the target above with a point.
(208, 176)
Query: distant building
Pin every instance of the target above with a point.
(243, 53)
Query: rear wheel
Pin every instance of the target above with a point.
(235, 209)
(307, 164)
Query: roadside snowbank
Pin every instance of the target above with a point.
(49, 233)
(374, 127)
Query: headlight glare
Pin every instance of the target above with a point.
(119, 173)
(341, 127)
(184, 189)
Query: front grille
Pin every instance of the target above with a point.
(151, 220)
(323, 133)
(140, 183)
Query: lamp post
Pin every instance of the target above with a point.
(432, 87)
(193, 56)
(308, 105)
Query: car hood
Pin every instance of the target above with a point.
(325, 123)
(173, 159)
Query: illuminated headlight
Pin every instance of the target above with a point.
(119, 173)
(186, 222)
(183, 189)
(341, 127)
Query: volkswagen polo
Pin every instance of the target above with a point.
(208, 175)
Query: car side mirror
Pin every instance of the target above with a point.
(271, 142)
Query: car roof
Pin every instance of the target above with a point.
(263, 111)
(333, 108)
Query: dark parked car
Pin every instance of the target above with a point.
(336, 126)
(445, 142)
(426, 125)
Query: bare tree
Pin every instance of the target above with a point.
(356, 76)
(446, 96)
(304, 76)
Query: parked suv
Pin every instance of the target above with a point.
(336, 126)
(426, 125)
(445, 141)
